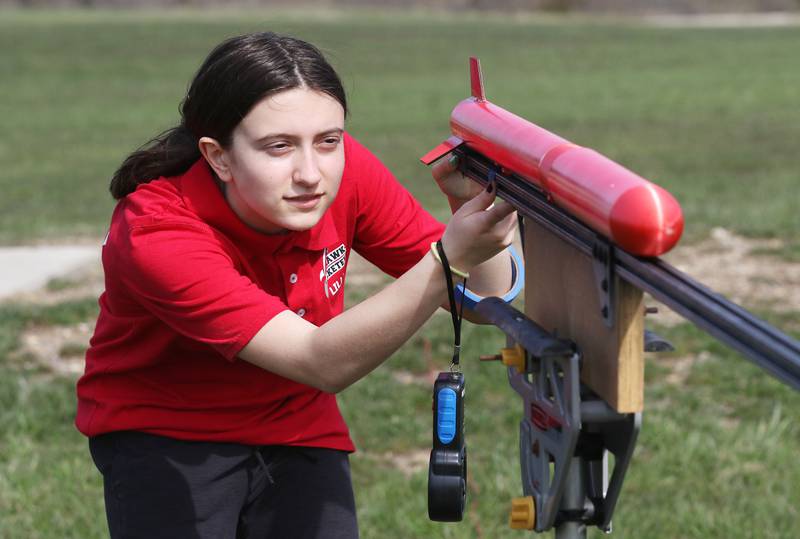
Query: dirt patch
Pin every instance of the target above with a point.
(59, 349)
(408, 463)
(724, 20)
(84, 282)
(406, 378)
(681, 367)
(735, 267)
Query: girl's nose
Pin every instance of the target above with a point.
(307, 170)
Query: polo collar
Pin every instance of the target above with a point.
(202, 195)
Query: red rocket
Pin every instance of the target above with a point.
(634, 213)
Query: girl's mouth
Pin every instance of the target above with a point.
(304, 202)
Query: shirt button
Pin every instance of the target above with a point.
(301, 312)
(293, 278)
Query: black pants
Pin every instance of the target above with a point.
(161, 487)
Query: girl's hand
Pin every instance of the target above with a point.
(458, 188)
(479, 230)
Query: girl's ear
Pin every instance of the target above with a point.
(216, 156)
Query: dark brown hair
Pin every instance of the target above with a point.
(238, 73)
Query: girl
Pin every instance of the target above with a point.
(209, 391)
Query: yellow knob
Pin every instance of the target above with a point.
(514, 357)
(523, 513)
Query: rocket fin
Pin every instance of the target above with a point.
(441, 150)
(476, 79)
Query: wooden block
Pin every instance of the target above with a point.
(561, 295)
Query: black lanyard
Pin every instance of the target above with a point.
(455, 314)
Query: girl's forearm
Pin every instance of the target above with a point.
(347, 347)
(357, 341)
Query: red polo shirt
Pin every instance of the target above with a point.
(188, 284)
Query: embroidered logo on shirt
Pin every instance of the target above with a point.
(332, 263)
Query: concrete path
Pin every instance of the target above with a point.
(24, 269)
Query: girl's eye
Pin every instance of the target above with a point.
(279, 147)
(330, 141)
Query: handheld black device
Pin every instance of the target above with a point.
(447, 470)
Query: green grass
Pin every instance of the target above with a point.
(47, 485)
(710, 114)
(789, 251)
(716, 456)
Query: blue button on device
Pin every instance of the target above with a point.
(446, 415)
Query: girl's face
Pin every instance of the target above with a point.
(285, 161)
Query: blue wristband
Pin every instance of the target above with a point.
(471, 299)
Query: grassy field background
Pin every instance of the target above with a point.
(712, 115)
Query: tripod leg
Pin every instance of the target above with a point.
(573, 502)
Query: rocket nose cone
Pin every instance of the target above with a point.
(646, 220)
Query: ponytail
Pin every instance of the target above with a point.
(169, 154)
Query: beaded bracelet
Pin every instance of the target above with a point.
(455, 271)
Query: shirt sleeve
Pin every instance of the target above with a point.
(183, 274)
(393, 230)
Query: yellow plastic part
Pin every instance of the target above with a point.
(523, 513)
(514, 357)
